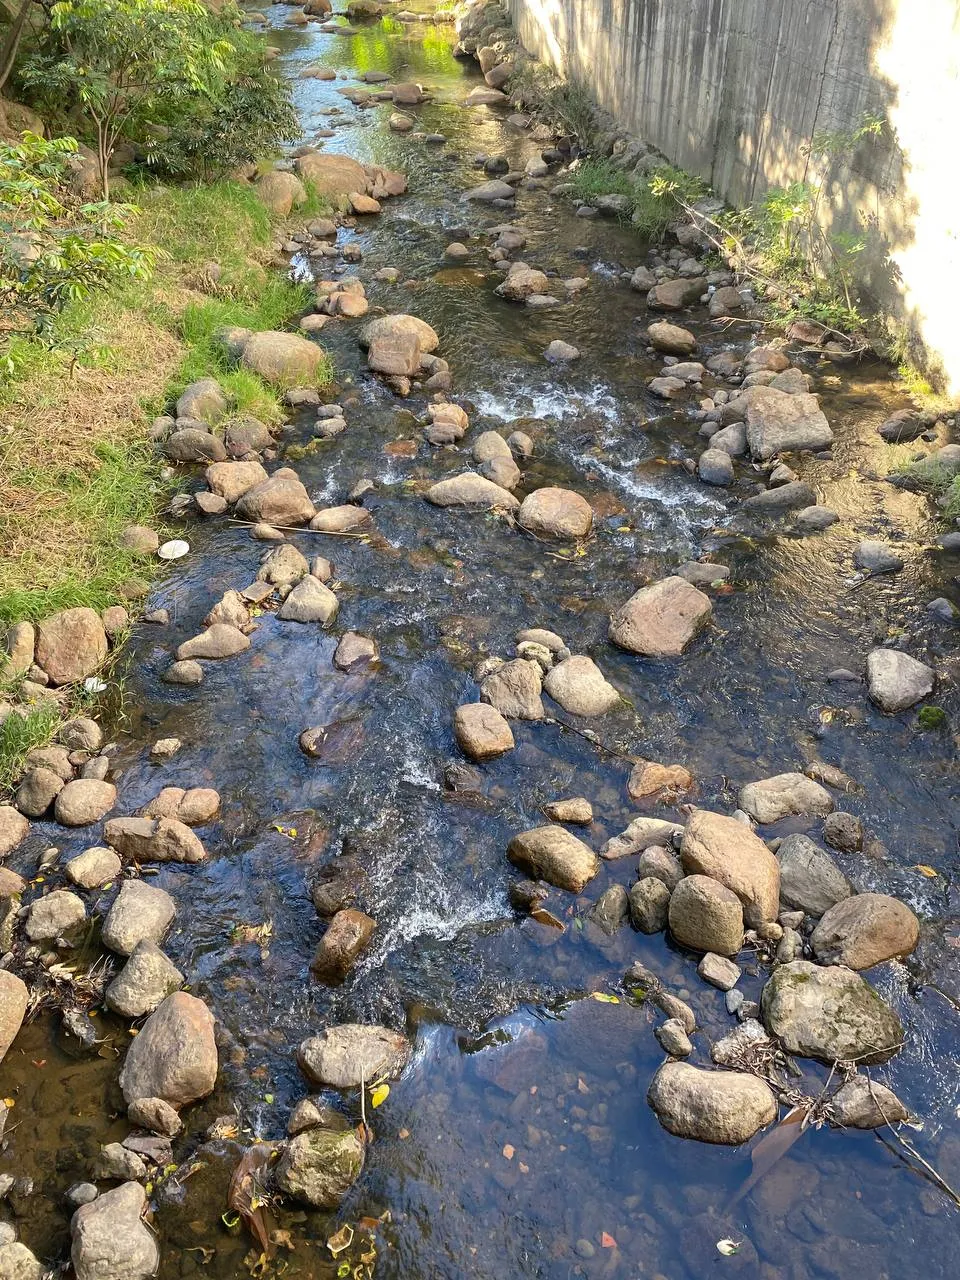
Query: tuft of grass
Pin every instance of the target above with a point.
(20, 734)
(654, 198)
(567, 105)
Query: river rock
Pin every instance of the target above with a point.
(649, 905)
(786, 794)
(345, 1056)
(661, 864)
(560, 352)
(194, 806)
(280, 191)
(14, 997)
(810, 880)
(729, 852)
(671, 339)
(194, 444)
(659, 621)
(347, 937)
(156, 1115)
(843, 831)
(81, 734)
(331, 174)
(111, 1240)
(488, 192)
(231, 480)
(864, 930)
(814, 519)
(17, 1262)
(93, 867)
(515, 689)
(50, 917)
(139, 911)
(901, 427)
(283, 359)
(611, 909)
(579, 686)
(555, 855)
(283, 566)
(897, 681)
(71, 645)
(342, 519)
(187, 673)
(153, 840)
(481, 731)
(115, 1163)
(14, 829)
(731, 439)
(204, 400)
(778, 422)
(706, 916)
(144, 982)
(786, 497)
(320, 1165)
(673, 1039)
(37, 791)
(556, 513)
(83, 801)
(281, 500)
(470, 490)
(354, 650)
(674, 295)
(309, 601)
(726, 1107)
(715, 466)
(650, 779)
(719, 972)
(175, 1055)
(877, 557)
(639, 835)
(522, 282)
(829, 1013)
(218, 641)
(862, 1103)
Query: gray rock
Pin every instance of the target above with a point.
(877, 557)
(640, 835)
(309, 601)
(515, 690)
(662, 864)
(55, 915)
(556, 855)
(778, 422)
(144, 982)
(673, 1039)
(153, 840)
(703, 574)
(156, 1115)
(559, 352)
(139, 911)
(611, 909)
(471, 490)
(110, 1239)
(810, 880)
(219, 641)
(726, 1107)
(93, 867)
(814, 519)
(81, 734)
(14, 998)
(84, 801)
(659, 621)
(187, 672)
(481, 731)
(943, 609)
(37, 791)
(829, 1013)
(81, 1193)
(784, 795)
(787, 497)
(672, 339)
(897, 681)
(706, 916)
(175, 1055)
(719, 971)
(863, 1103)
(576, 810)
(319, 1166)
(203, 399)
(115, 1163)
(551, 512)
(731, 439)
(865, 930)
(342, 1057)
(194, 444)
(281, 500)
(17, 1262)
(715, 467)
(843, 831)
(649, 905)
(730, 853)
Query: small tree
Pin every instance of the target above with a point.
(119, 58)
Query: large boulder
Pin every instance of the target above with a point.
(729, 852)
(556, 513)
(175, 1055)
(283, 359)
(897, 681)
(829, 1013)
(726, 1107)
(706, 916)
(660, 621)
(579, 686)
(470, 490)
(281, 500)
(281, 192)
(514, 689)
(153, 840)
(13, 1007)
(555, 855)
(71, 645)
(784, 795)
(810, 880)
(481, 731)
(346, 1056)
(332, 175)
(864, 930)
(231, 480)
(320, 1165)
(111, 1240)
(778, 422)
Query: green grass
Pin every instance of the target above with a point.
(654, 198)
(20, 734)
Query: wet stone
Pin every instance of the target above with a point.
(139, 911)
(93, 867)
(726, 1107)
(673, 1039)
(482, 733)
(829, 1013)
(144, 982)
(706, 916)
(864, 930)
(343, 1057)
(649, 905)
(719, 971)
(577, 810)
(175, 1056)
(347, 937)
(611, 909)
(58, 914)
(555, 855)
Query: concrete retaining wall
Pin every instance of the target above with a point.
(734, 90)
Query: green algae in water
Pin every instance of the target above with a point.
(931, 718)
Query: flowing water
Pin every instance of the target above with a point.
(519, 1142)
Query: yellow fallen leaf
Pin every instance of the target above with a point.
(604, 998)
(929, 872)
(9, 1102)
(341, 1239)
(379, 1095)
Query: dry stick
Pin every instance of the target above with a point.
(588, 735)
(291, 528)
(932, 1173)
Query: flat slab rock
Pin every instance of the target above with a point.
(344, 1056)
(659, 621)
(725, 1107)
(555, 855)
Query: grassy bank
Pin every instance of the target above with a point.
(76, 464)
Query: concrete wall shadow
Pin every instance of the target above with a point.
(735, 90)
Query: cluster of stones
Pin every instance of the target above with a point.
(718, 888)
